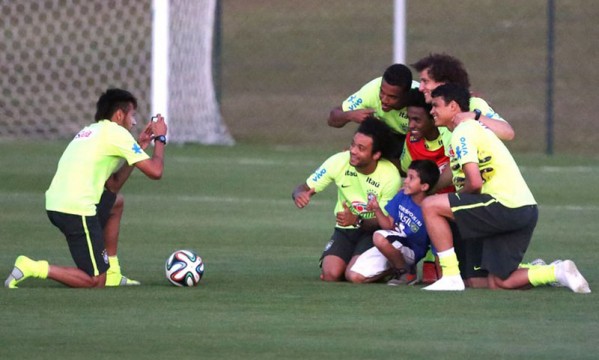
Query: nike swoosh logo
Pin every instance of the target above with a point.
(476, 268)
(345, 186)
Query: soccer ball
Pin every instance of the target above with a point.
(184, 268)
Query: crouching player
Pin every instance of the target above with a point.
(494, 210)
(403, 240)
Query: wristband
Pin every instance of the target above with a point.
(160, 138)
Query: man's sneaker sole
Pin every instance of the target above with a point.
(447, 283)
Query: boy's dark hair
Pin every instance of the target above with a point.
(113, 100)
(382, 138)
(416, 99)
(427, 170)
(398, 75)
(444, 68)
(453, 92)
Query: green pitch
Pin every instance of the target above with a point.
(261, 297)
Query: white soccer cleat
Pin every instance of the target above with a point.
(567, 274)
(447, 283)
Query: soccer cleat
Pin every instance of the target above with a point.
(403, 278)
(117, 279)
(567, 274)
(24, 268)
(447, 283)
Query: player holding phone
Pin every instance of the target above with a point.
(85, 170)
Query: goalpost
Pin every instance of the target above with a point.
(182, 70)
(57, 57)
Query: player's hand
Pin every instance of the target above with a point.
(373, 204)
(302, 198)
(461, 117)
(159, 126)
(145, 137)
(360, 115)
(346, 217)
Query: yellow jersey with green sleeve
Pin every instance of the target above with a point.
(368, 98)
(472, 142)
(355, 188)
(484, 107)
(87, 162)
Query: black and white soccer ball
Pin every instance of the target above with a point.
(184, 268)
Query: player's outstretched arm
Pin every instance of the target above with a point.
(302, 195)
(501, 128)
(338, 118)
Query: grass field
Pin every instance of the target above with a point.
(261, 297)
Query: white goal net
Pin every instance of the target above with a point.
(58, 56)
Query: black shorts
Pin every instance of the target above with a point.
(347, 243)
(497, 234)
(85, 237)
(104, 207)
(469, 253)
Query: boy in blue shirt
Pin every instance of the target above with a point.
(403, 240)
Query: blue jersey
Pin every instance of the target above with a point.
(409, 222)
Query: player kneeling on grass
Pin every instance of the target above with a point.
(403, 242)
(73, 201)
(493, 208)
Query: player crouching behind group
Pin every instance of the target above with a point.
(494, 210)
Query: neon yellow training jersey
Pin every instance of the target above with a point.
(89, 159)
(353, 187)
(472, 142)
(484, 107)
(368, 98)
(475, 103)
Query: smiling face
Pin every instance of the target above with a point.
(427, 85)
(361, 156)
(443, 113)
(421, 123)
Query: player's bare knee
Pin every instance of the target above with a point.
(330, 277)
(379, 240)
